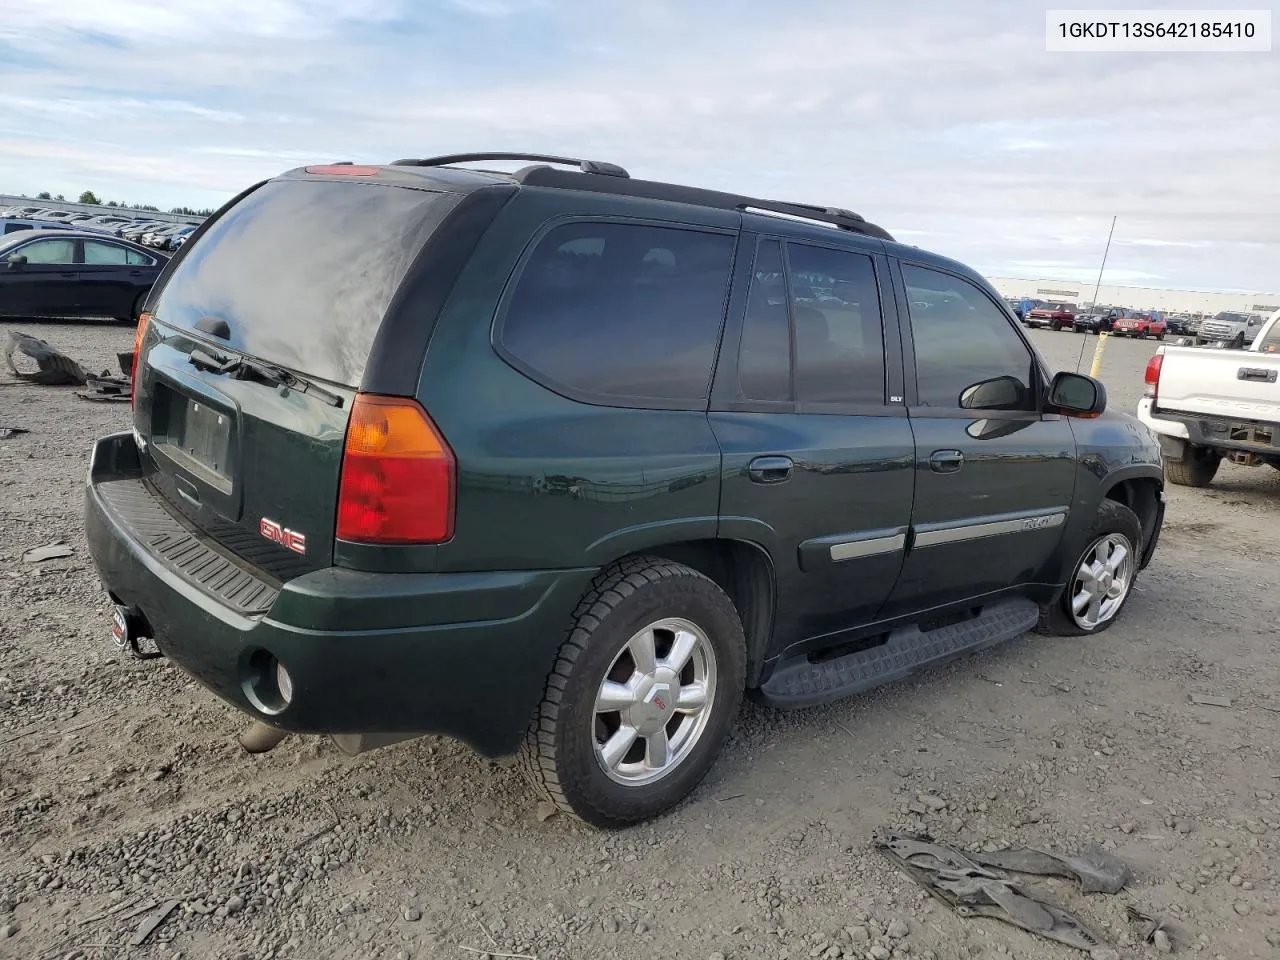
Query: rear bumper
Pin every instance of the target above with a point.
(464, 655)
(1175, 430)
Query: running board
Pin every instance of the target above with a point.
(803, 683)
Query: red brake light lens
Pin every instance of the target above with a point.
(1152, 376)
(139, 334)
(398, 475)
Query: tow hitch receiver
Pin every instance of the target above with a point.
(128, 627)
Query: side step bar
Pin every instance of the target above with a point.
(802, 683)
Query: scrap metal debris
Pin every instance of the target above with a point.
(106, 388)
(1095, 869)
(1153, 930)
(54, 369)
(152, 923)
(973, 890)
(53, 551)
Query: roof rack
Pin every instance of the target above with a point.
(678, 193)
(598, 167)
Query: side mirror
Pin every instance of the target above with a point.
(999, 393)
(17, 260)
(1076, 395)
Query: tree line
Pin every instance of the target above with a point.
(90, 197)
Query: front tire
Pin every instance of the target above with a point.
(642, 695)
(1102, 578)
(1197, 468)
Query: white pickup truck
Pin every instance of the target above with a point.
(1205, 404)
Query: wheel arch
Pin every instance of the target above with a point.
(744, 570)
(1142, 493)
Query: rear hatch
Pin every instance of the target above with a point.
(255, 351)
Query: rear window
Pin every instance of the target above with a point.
(303, 271)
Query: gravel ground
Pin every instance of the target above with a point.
(123, 793)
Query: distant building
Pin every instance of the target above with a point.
(1138, 298)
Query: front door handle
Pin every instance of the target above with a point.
(946, 461)
(769, 469)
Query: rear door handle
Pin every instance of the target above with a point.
(946, 461)
(769, 469)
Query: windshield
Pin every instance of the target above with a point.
(1232, 317)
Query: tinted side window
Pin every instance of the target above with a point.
(839, 336)
(49, 251)
(764, 357)
(104, 253)
(622, 310)
(962, 340)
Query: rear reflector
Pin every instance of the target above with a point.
(1152, 376)
(343, 170)
(398, 475)
(143, 322)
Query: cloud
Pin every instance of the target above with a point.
(950, 126)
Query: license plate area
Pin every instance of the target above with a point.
(195, 435)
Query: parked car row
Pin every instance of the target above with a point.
(58, 272)
(115, 222)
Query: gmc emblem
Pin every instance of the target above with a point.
(289, 539)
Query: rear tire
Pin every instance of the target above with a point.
(139, 302)
(614, 767)
(1197, 468)
(1106, 567)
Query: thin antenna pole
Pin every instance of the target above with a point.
(1097, 287)
(1105, 252)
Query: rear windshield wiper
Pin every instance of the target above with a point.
(242, 368)
(269, 373)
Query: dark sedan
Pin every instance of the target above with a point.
(63, 273)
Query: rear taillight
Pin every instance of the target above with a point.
(143, 322)
(1152, 376)
(398, 475)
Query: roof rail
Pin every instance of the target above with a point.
(585, 166)
(836, 216)
(679, 193)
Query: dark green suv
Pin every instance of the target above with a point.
(564, 462)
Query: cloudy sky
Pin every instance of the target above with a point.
(946, 122)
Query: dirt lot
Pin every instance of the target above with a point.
(121, 786)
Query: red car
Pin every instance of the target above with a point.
(1052, 315)
(1134, 324)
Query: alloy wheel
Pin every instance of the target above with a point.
(654, 702)
(1102, 581)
